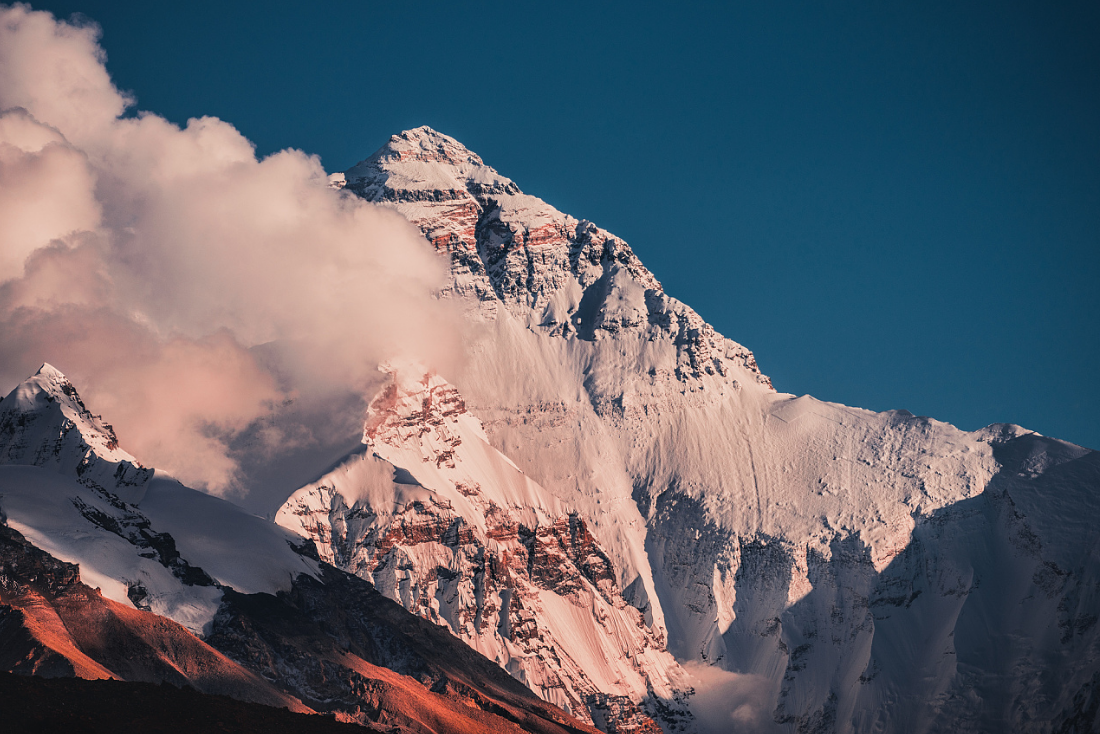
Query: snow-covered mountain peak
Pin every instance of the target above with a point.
(48, 370)
(144, 538)
(826, 550)
(434, 165)
(512, 253)
(425, 144)
(44, 422)
(49, 391)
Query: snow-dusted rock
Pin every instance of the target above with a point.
(43, 422)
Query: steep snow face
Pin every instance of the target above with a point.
(768, 534)
(145, 540)
(450, 528)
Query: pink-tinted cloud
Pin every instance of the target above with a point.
(149, 262)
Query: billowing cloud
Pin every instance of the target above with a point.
(186, 286)
(732, 702)
(46, 189)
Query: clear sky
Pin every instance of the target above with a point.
(895, 205)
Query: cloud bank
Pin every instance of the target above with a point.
(153, 263)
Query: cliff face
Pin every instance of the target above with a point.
(803, 543)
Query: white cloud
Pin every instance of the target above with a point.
(147, 261)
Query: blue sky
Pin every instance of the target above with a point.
(894, 206)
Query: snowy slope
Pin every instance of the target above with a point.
(763, 532)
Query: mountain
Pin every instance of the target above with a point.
(53, 625)
(109, 570)
(605, 517)
(834, 569)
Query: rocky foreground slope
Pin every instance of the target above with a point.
(854, 571)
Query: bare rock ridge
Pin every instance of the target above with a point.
(262, 619)
(850, 567)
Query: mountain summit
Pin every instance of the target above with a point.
(421, 144)
(43, 422)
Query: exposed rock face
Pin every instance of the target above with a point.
(444, 524)
(567, 276)
(800, 543)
